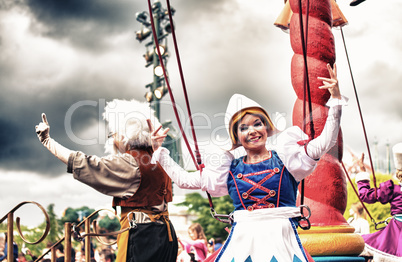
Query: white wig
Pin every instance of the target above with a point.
(129, 119)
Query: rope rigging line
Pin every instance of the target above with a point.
(306, 83)
(197, 152)
(197, 160)
(365, 137)
(360, 113)
(156, 40)
(306, 89)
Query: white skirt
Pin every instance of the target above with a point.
(263, 235)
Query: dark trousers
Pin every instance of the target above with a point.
(149, 242)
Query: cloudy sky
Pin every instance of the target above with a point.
(67, 58)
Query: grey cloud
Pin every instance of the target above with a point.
(224, 50)
(86, 23)
(83, 23)
(197, 10)
(384, 85)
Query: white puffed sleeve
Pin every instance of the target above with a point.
(293, 155)
(329, 135)
(213, 177)
(300, 160)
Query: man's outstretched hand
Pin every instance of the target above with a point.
(42, 129)
(156, 138)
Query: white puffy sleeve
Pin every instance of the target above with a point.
(293, 155)
(327, 139)
(213, 177)
(301, 160)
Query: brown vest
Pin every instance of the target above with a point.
(155, 184)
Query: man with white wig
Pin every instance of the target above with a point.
(140, 188)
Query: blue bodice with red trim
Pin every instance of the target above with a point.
(258, 185)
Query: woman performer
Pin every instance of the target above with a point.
(263, 184)
(140, 188)
(385, 244)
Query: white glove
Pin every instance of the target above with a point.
(42, 130)
(361, 176)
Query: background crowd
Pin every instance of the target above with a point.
(194, 247)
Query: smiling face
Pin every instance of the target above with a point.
(252, 133)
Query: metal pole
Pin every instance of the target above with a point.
(53, 257)
(156, 14)
(88, 240)
(67, 241)
(388, 159)
(10, 239)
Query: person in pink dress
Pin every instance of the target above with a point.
(197, 244)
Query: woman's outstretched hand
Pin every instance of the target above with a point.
(156, 139)
(331, 84)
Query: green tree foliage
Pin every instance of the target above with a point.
(109, 225)
(200, 206)
(33, 235)
(55, 230)
(69, 215)
(76, 215)
(378, 211)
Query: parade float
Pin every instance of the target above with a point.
(310, 23)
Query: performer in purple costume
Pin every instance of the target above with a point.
(386, 244)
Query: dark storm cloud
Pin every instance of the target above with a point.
(85, 24)
(25, 97)
(224, 50)
(21, 149)
(214, 65)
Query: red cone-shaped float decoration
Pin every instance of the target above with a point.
(325, 189)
